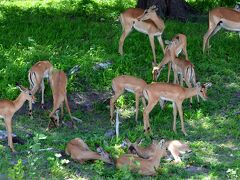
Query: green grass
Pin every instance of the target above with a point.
(85, 33)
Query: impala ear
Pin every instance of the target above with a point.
(161, 143)
(20, 87)
(207, 85)
(198, 84)
(167, 42)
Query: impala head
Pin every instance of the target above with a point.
(148, 13)
(202, 90)
(156, 72)
(104, 155)
(26, 93)
(237, 6)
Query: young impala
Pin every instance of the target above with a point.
(177, 45)
(128, 83)
(36, 76)
(8, 109)
(58, 83)
(79, 151)
(226, 18)
(175, 147)
(132, 18)
(170, 92)
(143, 166)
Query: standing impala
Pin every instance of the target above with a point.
(132, 18)
(170, 92)
(8, 109)
(226, 18)
(36, 76)
(177, 45)
(128, 83)
(58, 83)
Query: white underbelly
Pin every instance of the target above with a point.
(231, 26)
(166, 99)
(140, 29)
(129, 89)
(1, 117)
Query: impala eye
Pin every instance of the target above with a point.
(201, 90)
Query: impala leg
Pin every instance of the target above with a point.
(184, 50)
(169, 70)
(151, 38)
(208, 35)
(112, 101)
(8, 124)
(175, 81)
(189, 86)
(137, 95)
(144, 102)
(180, 112)
(146, 112)
(174, 116)
(42, 88)
(33, 90)
(125, 33)
(161, 43)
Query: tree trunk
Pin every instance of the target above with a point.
(177, 9)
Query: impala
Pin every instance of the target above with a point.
(226, 18)
(79, 151)
(175, 147)
(143, 166)
(185, 69)
(8, 109)
(36, 76)
(58, 83)
(170, 92)
(128, 83)
(177, 45)
(132, 18)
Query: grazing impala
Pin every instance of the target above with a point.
(170, 92)
(175, 147)
(143, 166)
(128, 83)
(8, 109)
(226, 18)
(36, 76)
(58, 83)
(132, 18)
(79, 151)
(173, 49)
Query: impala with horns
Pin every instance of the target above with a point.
(175, 147)
(8, 109)
(226, 18)
(142, 166)
(36, 76)
(58, 83)
(79, 151)
(134, 18)
(158, 92)
(128, 83)
(177, 45)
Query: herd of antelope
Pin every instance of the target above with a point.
(139, 159)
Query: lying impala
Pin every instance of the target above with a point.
(8, 109)
(128, 83)
(132, 18)
(143, 166)
(175, 147)
(58, 83)
(79, 151)
(170, 92)
(226, 18)
(36, 76)
(173, 49)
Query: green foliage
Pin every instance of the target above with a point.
(79, 32)
(206, 5)
(17, 172)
